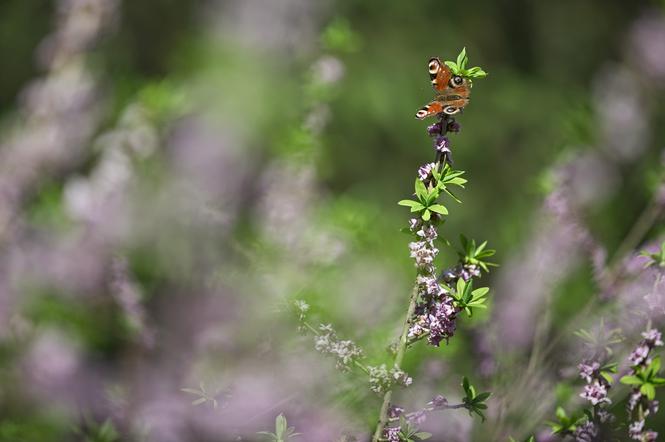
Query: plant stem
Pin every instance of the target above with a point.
(440, 159)
(399, 357)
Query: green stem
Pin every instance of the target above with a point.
(399, 357)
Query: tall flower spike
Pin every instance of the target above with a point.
(434, 307)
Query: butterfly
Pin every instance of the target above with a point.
(453, 91)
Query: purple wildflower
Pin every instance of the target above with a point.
(430, 286)
(587, 432)
(635, 430)
(653, 338)
(391, 434)
(639, 359)
(469, 271)
(438, 402)
(424, 172)
(596, 393)
(423, 253)
(453, 126)
(441, 144)
(394, 411)
(589, 371)
(434, 129)
(427, 232)
(441, 321)
(639, 355)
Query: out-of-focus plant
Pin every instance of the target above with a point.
(283, 433)
(598, 422)
(92, 431)
(656, 258)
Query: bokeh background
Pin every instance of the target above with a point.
(174, 173)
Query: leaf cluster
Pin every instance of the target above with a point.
(565, 424)
(474, 402)
(283, 433)
(602, 340)
(646, 379)
(427, 195)
(476, 254)
(459, 67)
(94, 432)
(466, 298)
(203, 395)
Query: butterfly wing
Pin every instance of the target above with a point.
(439, 74)
(454, 91)
(449, 105)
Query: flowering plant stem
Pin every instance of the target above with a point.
(399, 357)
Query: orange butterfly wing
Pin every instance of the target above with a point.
(440, 74)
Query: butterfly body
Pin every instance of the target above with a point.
(453, 91)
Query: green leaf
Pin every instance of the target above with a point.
(465, 386)
(423, 435)
(409, 203)
(480, 292)
(631, 380)
(607, 376)
(476, 304)
(461, 287)
(476, 72)
(438, 208)
(482, 396)
(648, 390)
(452, 195)
(199, 401)
(417, 208)
(191, 391)
(421, 190)
(561, 413)
(462, 59)
(452, 65)
(654, 367)
(280, 425)
(427, 215)
(457, 182)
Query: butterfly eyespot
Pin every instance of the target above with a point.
(422, 113)
(456, 81)
(450, 110)
(433, 67)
